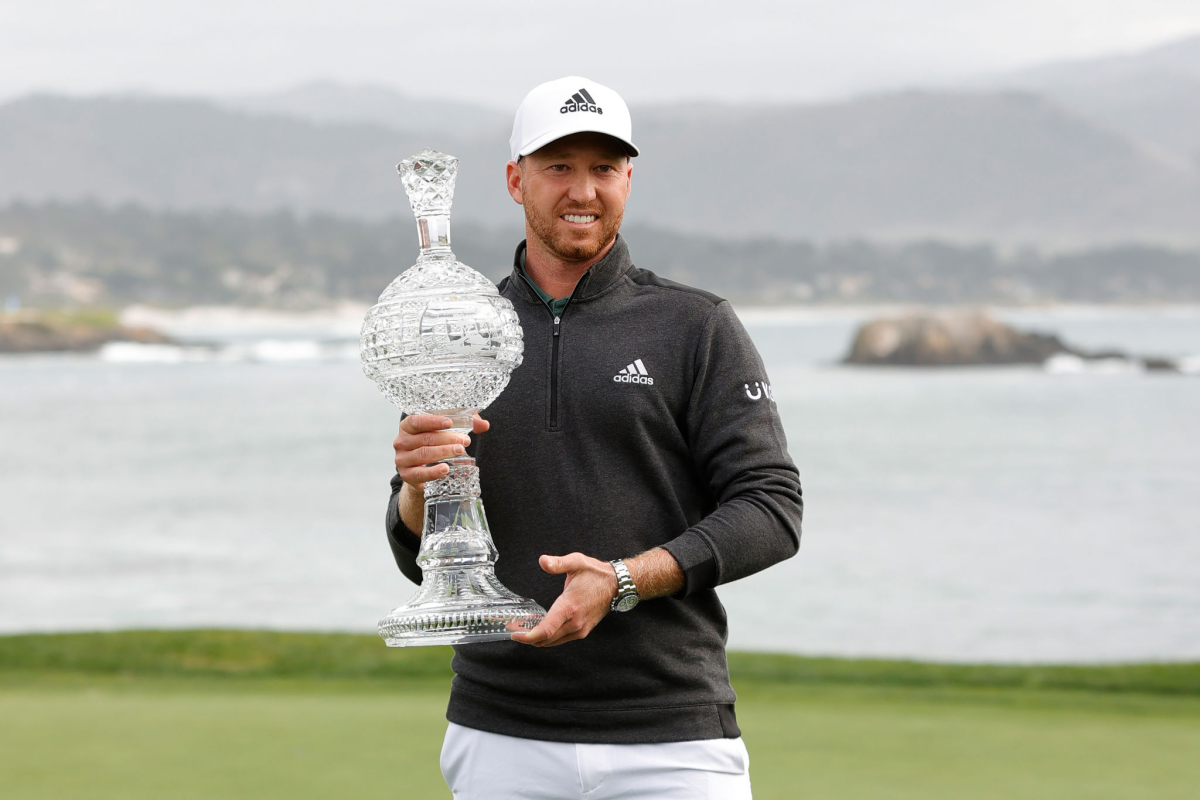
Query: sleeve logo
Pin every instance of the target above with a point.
(761, 389)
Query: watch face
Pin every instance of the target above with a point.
(627, 602)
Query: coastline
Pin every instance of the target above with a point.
(347, 317)
(237, 334)
(210, 325)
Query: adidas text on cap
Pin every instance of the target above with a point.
(565, 106)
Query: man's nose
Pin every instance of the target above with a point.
(583, 189)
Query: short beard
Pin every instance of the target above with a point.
(570, 249)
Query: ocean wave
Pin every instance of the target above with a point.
(136, 353)
(1067, 364)
(283, 350)
(264, 351)
(1189, 365)
(228, 324)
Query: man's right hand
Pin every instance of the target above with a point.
(423, 439)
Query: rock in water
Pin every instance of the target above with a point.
(943, 340)
(34, 336)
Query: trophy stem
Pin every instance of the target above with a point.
(462, 420)
(460, 600)
(434, 234)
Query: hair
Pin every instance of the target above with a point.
(624, 149)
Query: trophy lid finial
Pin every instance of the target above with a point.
(428, 179)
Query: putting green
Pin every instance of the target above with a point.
(183, 743)
(250, 715)
(967, 745)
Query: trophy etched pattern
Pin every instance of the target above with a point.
(441, 340)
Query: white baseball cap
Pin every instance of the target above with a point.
(565, 106)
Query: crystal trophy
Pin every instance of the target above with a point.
(441, 340)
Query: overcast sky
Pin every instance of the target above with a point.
(492, 51)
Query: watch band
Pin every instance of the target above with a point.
(627, 596)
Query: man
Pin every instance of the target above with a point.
(628, 454)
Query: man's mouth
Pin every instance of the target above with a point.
(580, 219)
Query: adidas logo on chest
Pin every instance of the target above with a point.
(634, 373)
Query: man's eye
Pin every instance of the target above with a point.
(559, 168)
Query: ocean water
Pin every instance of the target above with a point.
(1008, 514)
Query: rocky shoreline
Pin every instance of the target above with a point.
(32, 334)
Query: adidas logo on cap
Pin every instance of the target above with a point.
(634, 373)
(580, 101)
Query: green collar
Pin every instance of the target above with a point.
(556, 306)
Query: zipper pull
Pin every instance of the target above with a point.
(556, 321)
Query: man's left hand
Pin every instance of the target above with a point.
(587, 595)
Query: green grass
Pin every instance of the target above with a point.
(203, 714)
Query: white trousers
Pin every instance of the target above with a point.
(487, 766)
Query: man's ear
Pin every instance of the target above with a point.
(513, 177)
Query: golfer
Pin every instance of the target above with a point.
(635, 462)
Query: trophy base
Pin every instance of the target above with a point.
(411, 627)
(459, 607)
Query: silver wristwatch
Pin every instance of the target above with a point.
(627, 596)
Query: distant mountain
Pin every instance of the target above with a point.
(1003, 166)
(1006, 166)
(1152, 96)
(1181, 57)
(191, 155)
(329, 101)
